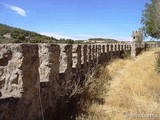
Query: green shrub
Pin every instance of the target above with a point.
(126, 54)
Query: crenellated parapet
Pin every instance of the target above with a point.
(36, 74)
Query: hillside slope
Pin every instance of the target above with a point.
(10, 34)
(133, 90)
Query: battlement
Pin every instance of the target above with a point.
(39, 74)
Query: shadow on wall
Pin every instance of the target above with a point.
(139, 50)
(9, 105)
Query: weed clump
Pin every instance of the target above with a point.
(126, 54)
(93, 95)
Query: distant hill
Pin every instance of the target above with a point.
(10, 34)
(104, 40)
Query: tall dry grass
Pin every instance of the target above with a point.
(93, 96)
(134, 89)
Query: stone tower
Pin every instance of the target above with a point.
(137, 36)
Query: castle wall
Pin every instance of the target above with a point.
(34, 77)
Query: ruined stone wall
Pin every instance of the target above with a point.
(152, 45)
(137, 48)
(19, 81)
(34, 78)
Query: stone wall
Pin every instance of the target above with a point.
(34, 77)
(152, 45)
(19, 79)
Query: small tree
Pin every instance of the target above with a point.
(151, 19)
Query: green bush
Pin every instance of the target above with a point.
(126, 54)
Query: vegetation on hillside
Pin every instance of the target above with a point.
(17, 35)
(151, 19)
(10, 34)
(103, 39)
(70, 41)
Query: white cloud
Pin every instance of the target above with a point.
(86, 36)
(16, 9)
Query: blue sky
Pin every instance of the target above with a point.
(76, 19)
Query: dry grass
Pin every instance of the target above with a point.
(134, 89)
(94, 96)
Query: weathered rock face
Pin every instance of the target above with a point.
(29, 100)
(49, 76)
(18, 62)
(49, 56)
(34, 77)
(10, 72)
(20, 79)
(65, 68)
